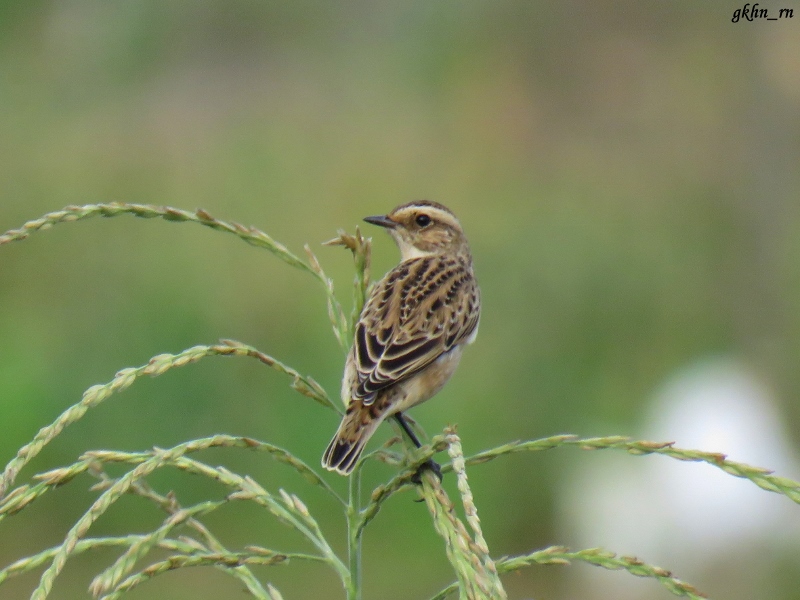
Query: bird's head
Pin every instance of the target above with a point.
(423, 228)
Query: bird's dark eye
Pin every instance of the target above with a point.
(423, 220)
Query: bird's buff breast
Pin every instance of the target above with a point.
(427, 383)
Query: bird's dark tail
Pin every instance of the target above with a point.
(347, 445)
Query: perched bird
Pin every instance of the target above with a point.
(412, 330)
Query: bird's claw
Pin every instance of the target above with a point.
(428, 465)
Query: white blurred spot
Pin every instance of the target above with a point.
(704, 525)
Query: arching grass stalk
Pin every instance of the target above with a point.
(251, 235)
(477, 573)
(560, 555)
(289, 510)
(763, 478)
(154, 367)
(193, 551)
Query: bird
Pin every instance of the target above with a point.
(412, 330)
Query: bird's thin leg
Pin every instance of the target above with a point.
(430, 463)
(407, 428)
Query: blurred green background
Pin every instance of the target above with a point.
(628, 174)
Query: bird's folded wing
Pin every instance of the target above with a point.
(419, 311)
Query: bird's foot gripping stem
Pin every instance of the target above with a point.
(429, 465)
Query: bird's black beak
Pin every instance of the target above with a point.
(381, 221)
